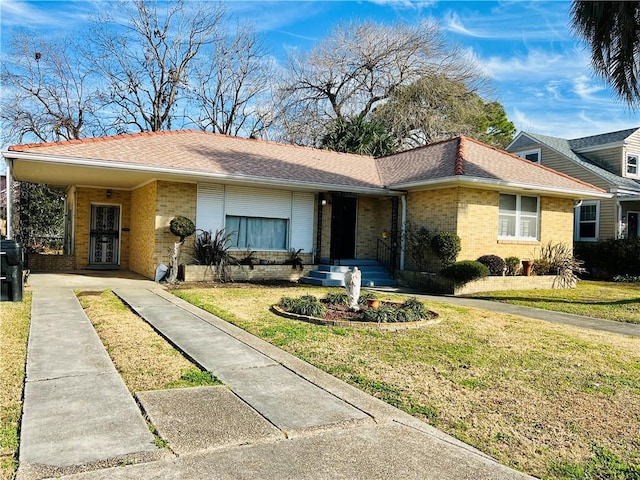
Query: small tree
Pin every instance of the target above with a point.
(418, 246)
(446, 246)
(181, 227)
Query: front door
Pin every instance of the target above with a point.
(343, 227)
(632, 225)
(104, 239)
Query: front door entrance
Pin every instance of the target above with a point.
(632, 225)
(343, 227)
(104, 238)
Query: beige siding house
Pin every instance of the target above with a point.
(611, 161)
(122, 192)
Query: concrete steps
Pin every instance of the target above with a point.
(373, 274)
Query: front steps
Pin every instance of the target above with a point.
(373, 274)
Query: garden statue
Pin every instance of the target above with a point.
(352, 281)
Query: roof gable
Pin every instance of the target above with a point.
(466, 158)
(602, 139)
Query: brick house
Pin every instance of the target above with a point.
(122, 192)
(610, 161)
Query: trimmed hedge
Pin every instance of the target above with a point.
(465, 271)
(609, 258)
(494, 263)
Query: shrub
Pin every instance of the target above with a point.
(608, 258)
(465, 271)
(380, 315)
(558, 260)
(513, 265)
(182, 227)
(213, 250)
(446, 246)
(295, 260)
(418, 246)
(494, 263)
(366, 296)
(416, 306)
(306, 305)
(336, 298)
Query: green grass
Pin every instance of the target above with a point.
(611, 301)
(543, 398)
(14, 331)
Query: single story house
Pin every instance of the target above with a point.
(610, 161)
(123, 191)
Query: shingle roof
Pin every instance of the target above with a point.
(602, 139)
(563, 147)
(198, 151)
(207, 153)
(465, 157)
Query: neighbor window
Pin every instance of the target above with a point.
(587, 221)
(257, 233)
(531, 155)
(633, 165)
(518, 217)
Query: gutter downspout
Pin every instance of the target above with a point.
(403, 237)
(9, 197)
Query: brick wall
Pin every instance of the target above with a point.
(374, 216)
(201, 273)
(50, 263)
(173, 199)
(473, 215)
(85, 197)
(143, 231)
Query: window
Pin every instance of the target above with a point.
(257, 233)
(633, 165)
(518, 217)
(531, 155)
(587, 220)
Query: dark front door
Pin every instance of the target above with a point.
(104, 239)
(343, 227)
(633, 230)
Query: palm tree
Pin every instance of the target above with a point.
(613, 31)
(357, 135)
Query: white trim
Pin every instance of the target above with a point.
(479, 182)
(9, 197)
(577, 222)
(524, 153)
(626, 165)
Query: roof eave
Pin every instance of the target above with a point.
(505, 185)
(195, 175)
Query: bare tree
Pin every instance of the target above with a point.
(359, 66)
(147, 59)
(47, 95)
(231, 88)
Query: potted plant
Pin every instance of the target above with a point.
(527, 266)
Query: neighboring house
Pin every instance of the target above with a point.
(123, 191)
(610, 161)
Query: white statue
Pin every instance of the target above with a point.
(352, 281)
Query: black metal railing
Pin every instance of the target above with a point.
(386, 255)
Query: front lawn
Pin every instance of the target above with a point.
(612, 301)
(553, 401)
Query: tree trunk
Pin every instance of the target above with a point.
(173, 262)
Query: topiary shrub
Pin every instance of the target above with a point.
(465, 271)
(513, 265)
(182, 227)
(446, 246)
(494, 263)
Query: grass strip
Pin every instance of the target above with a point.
(14, 332)
(144, 359)
(611, 301)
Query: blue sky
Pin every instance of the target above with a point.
(538, 69)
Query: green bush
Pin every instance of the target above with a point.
(609, 258)
(446, 246)
(494, 263)
(465, 271)
(513, 265)
(182, 227)
(418, 246)
(306, 305)
(336, 298)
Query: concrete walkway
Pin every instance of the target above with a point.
(276, 416)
